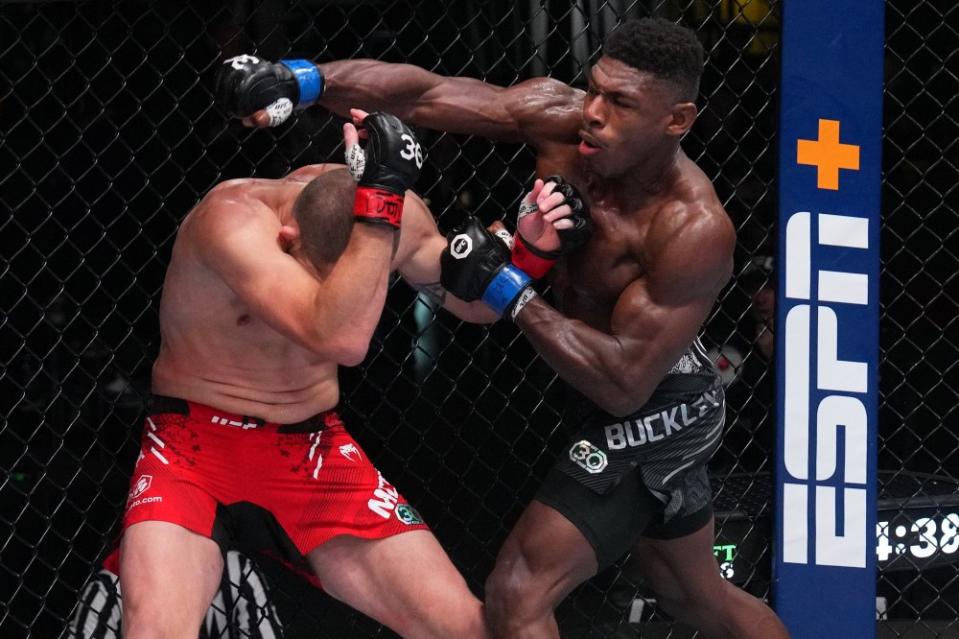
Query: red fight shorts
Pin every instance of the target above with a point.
(260, 486)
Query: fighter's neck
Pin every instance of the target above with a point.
(643, 181)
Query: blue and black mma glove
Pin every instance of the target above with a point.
(245, 84)
(476, 265)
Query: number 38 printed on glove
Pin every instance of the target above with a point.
(413, 151)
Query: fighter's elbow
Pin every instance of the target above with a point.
(352, 352)
(352, 358)
(618, 406)
(344, 350)
(623, 398)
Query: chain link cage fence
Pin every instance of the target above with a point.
(110, 136)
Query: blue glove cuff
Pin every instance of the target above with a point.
(309, 78)
(505, 287)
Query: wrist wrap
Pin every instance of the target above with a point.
(524, 298)
(308, 78)
(531, 260)
(376, 206)
(505, 287)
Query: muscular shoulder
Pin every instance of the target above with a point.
(226, 211)
(690, 244)
(546, 110)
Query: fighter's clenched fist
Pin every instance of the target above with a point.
(388, 166)
(553, 220)
(246, 84)
(475, 265)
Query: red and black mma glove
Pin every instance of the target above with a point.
(537, 262)
(383, 171)
(245, 84)
(476, 266)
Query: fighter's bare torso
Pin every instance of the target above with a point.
(625, 238)
(213, 349)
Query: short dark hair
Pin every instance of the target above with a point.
(324, 212)
(668, 51)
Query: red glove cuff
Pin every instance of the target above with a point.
(530, 263)
(376, 206)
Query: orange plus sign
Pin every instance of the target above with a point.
(828, 155)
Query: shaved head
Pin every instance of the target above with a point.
(324, 212)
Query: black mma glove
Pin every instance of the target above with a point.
(388, 166)
(537, 262)
(476, 265)
(245, 84)
(572, 238)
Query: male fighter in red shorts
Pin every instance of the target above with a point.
(271, 286)
(628, 307)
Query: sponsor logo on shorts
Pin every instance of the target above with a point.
(224, 421)
(142, 485)
(351, 452)
(384, 499)
(652, 428)
(145, 500)
(408, 515)
(588, 457)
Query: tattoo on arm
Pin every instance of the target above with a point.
(434, 291)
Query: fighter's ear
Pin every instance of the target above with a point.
(681, 118)
(288, 237)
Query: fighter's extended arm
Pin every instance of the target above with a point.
(535, 111)
(653, 322)
(539, 111)
(333, 317)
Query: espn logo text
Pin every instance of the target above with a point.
(823, 399)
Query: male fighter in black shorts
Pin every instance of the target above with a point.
(628, 307)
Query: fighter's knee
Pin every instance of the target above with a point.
(145, 617)
(470, 623)
(512, 593)
(467, 622)
(142, 622)
(690, 600)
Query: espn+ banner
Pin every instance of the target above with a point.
(827, 317)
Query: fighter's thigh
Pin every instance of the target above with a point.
(405, 581)
(165, 567)
(681, 569)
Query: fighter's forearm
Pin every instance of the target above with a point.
(351, 298)
(445, 103)
(593, 362)
(372, 85)
(473, 312)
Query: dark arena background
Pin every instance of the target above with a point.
(109, 135)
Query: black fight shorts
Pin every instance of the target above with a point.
(641, 475)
